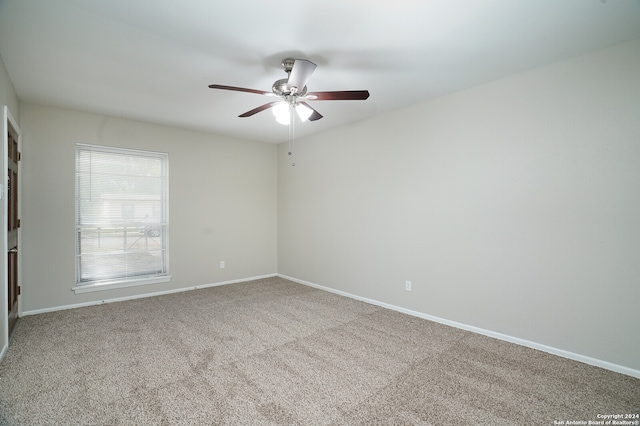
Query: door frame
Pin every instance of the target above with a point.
(8, 122)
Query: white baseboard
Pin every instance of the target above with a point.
(140, 296)
(544, 348)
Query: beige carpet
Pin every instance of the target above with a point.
(276, 352)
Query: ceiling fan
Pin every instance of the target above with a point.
(293, 93)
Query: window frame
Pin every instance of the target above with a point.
(136, 280)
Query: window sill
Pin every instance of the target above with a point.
(87, 288)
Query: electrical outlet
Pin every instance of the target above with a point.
(222, 264)
(407, 285)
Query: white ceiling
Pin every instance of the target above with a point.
(152, 60)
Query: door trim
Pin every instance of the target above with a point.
(8, 122)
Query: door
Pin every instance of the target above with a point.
(13, 223)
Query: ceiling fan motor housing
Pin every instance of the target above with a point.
(281, 88)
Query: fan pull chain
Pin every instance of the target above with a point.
(292, 136)
(290, 152)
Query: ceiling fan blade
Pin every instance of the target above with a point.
(300, 74)
(239, 89)
(344, 95)
(259, 109)
(315, 115)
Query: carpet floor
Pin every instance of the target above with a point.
(274, 352)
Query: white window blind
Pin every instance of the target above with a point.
(121, 215)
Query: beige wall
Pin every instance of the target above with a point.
(222, 194)
(513, 207)
(8, 94)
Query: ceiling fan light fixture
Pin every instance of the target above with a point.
(304, 112)
(281, 112)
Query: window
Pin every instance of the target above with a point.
(121, 217)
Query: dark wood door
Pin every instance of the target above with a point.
(13, 223)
